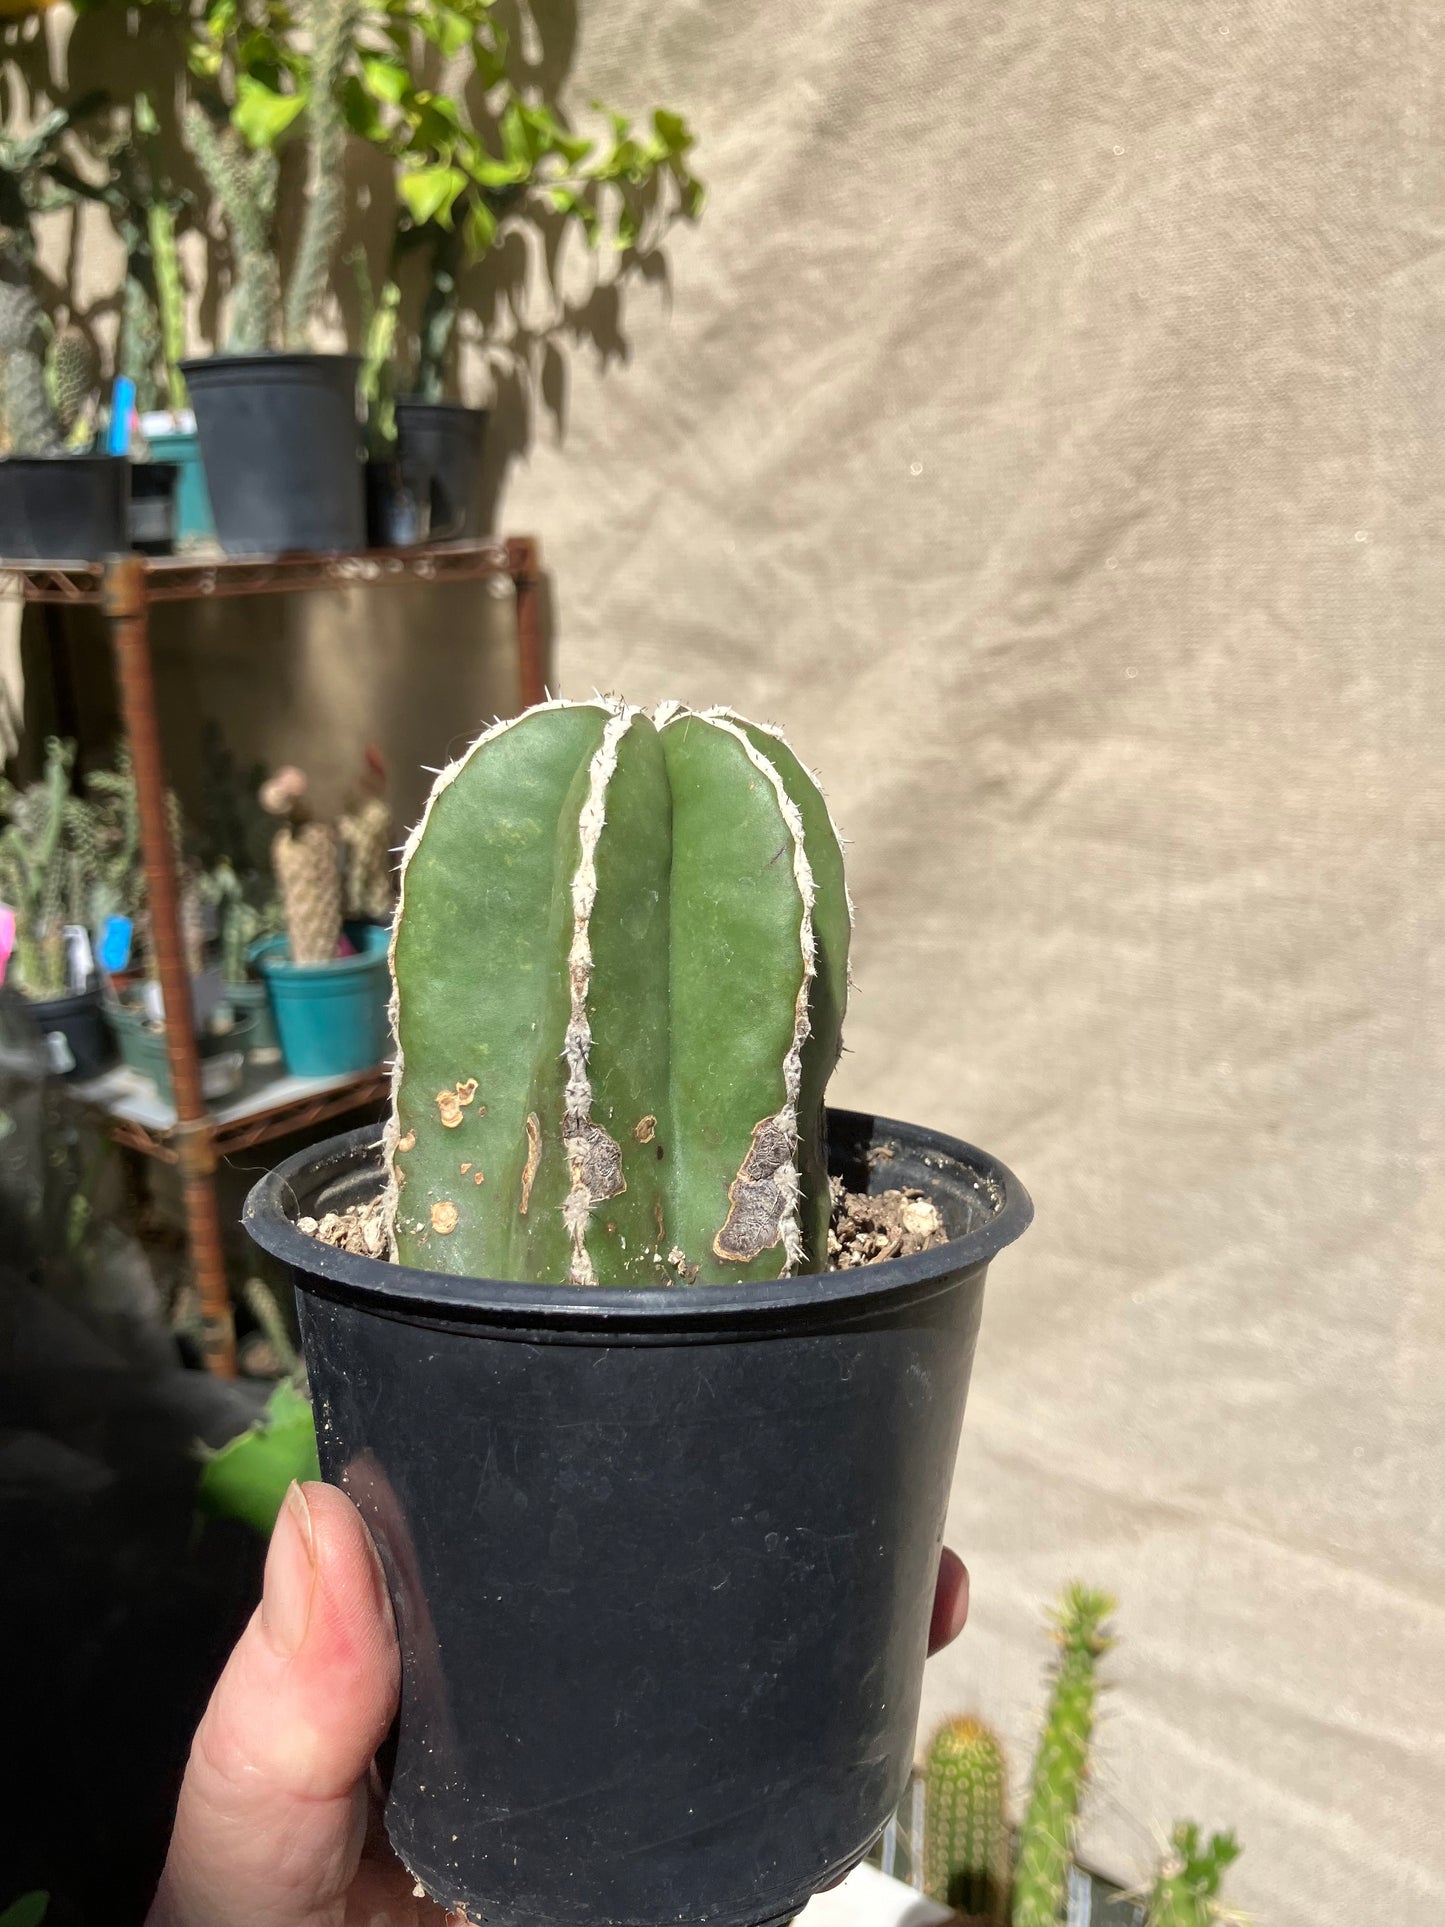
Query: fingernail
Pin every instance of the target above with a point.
(290, 1575)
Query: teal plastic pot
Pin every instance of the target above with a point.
(143, 1049)
(331, 1016)
(192, 502)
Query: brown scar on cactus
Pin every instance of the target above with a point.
(756, 1200)
(595, 1159)
(449, 1107)
(444, 1216)
(534, 1158)
(645, 1129)
(408, 1143)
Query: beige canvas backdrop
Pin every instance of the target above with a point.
(1046, 425)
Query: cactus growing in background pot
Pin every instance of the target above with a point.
(965, 1829)
(279, 431)
(573, 1336)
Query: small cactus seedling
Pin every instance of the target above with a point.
(620, 967)
(305, 857)
(1047, 1836)
(965, 1828)
(1185, 1891)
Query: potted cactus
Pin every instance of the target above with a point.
(278, 423)
(659, 1494)
(328, 994)
(57, 503)
(47, 872)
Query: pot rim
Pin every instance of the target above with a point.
(262, 358)
(373, 1284)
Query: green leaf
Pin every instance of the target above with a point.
(672, 131)
(628, 227)
(360, 111)
(448, 31)
(27, 1911)
(385, 79)
(480, 229)
(693, 194)
(260, 116)
(247, 1479)
(431, 192)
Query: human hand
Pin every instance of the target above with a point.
(276, 1826)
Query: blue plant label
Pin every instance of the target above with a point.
(115, 942)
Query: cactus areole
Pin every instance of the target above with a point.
(620, 967)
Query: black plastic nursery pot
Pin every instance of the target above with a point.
(662, 1561)
(397, 516)
(439, 451)
(77, 1039)
(153, 507)
(282, 447)
(64, 508)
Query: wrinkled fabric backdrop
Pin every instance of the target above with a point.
(1045, 425)
(1047, 428)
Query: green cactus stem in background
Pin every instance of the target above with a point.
(1185, 1892)
(41, 872)
(965, 1827)
(244, 183)
(1047, 1836)
(72, 375)
(620, 969)
(24, 401)
(170, 298)
(333, 27)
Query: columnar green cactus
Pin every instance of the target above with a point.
(170, 297)
(965, 1829)
(1047, 1835)
(333, 27)
(306, 859)
(620, 968)
(245, 185)
(1186, 1886)
(29, 418)
(38, 872)
(72, 374)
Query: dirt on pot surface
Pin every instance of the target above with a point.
(864, 1230)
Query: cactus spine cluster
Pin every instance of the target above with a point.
(305, 858)
(1185, 1892)
(620, 966)
(244, 183)
(1061, 1764)
(965, 1826)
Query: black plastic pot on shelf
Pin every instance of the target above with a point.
(439, 452)
(64, 508)
(73, 1030)
(282, 447)
(397, 516)
(662, 1561)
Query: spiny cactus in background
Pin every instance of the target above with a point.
(170, 298)
(29, 418)
(965, 1828)
(333, 27)
(620, 966)
(305, 857)
(1186, 1886)
(1047, 1836)
(72, 375)
(38, 871)
(238, 922)
(244, 183)
(365, 832)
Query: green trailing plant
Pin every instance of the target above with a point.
(1186, 1886)
(965, 1828)
(378, 316)
(1046, 1837)
(620, 966)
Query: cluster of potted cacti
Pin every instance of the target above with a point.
(287, 461)
(970, 1860)
(75, 937)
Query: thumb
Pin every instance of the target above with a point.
(272, 1812)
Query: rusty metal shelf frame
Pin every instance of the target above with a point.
(125, 588)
